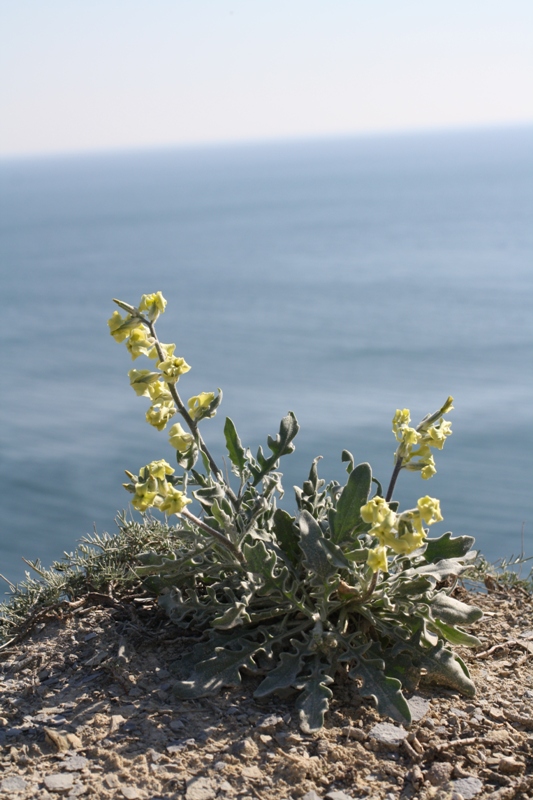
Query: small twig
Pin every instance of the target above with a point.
(394, 478)
(455, 743)
(503, 646)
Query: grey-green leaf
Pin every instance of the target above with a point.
(234, 446)
(313, 702)
(456, 635)
(443, 667)
(223, 669)
(439, 570)
(286, 535)
(447, 546)
(453, 611)
(354, 495)
(387, 692)
(315, 558)
(347, 456)
(285, 675)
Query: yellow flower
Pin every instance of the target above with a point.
(429, 509)
(139, 343)
(199, 404)
(159, 469)
(179, 438)
(153, 304)
(377, 559)
(401, 418)
(120, 327)
(159, 414)
(159, 392)
(405, 544)
(429, 470)
(375, 511)
(168, 351)
(436, 435)
(145, 494)
(140, 380)
(172, 368)
(409, 436)
(174, 502)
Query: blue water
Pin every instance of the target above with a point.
(340, 279)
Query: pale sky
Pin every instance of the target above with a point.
(79, 75)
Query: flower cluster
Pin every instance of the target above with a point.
(152, 490)
(415, 444)
(402, 533)
(136, 329)
(138, 333)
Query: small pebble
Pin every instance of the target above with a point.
(201, 789)
(131, 792)
(75, 763)
(510, 766)
(440, 772)
(418, 706)
(59, 782)
(468, 787)
(13, 784)
(387, 734)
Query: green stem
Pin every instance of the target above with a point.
(223, 540)
(180, 405)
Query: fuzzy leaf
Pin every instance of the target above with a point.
(233, 616)
(354, 495)
(445, 668)
(234, 446)
(222, 669)
(280, 446)
(314, 556)
(347, 456)
(285, 675)
(447, 546)
(334, 554)
(456, 635)
(453, 611)
(286, 535)
(264, 562)
(401, 667)
(440, 570)
(387, 692)
(313, 702)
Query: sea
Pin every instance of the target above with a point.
(340, 279)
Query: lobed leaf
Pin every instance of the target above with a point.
(234, 446)
(386, 691)
(280, 446)
(222, 669)
(315, 559)
(313, 702)
(287, 535)
(444, 667)
(285, 675)
(447, 546)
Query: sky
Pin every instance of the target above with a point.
(85, 75)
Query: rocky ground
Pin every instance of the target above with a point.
(86, 710)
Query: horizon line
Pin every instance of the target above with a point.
(259, 141)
